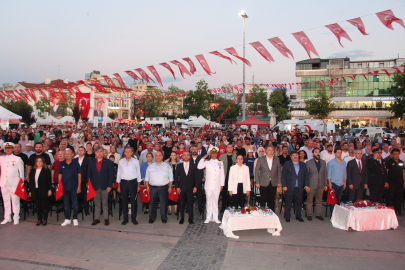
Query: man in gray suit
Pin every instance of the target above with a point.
(228, 159)
(317, 183)
(268, 177)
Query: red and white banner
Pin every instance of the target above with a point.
(132, 74)
(338, 32)
(192, 66)
(387, 18)
(204, 64)
(110, 83)
(233, 52)
(120, 81)
(83, 101)
(262, 50)
(302, 39)
(169, 68)
(182, 68)
(144, 75)
(154, 72)
(223, 56)
(359, 24)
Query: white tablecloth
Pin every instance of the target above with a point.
(232, 223)
(364, 219)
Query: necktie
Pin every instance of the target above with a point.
(199, 152)
(186, 168)
(360, 166)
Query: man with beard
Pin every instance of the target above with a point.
(228, 159)
(195, 158)
(38, 152)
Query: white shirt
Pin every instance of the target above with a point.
(348, 158)
(402, 156)
(80, 160)
(357, 161)
(128, 170)
(12, 169)
(269, 162)
(37, 172)
(240, 174)
(326, 156)
(186, 167)
(384, 154)
(344, 154)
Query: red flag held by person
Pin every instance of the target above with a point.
(387, 18)
(20, 191)
(90, 191)
(205, 126)
(303, 39)
(59, 191)
(169, 68)
(331, 199)
(262, 50)
(223, 56)
(181, 67)
(173, 196)
(233, 52)
(359, 24)
(280, 46)
(154, 72)
(192, 66)
(145, 196)
(83, 101)
(204, 64)
(147, 126)
(338, 32)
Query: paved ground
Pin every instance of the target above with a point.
(309, 245)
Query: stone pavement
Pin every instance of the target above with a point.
(309, 245)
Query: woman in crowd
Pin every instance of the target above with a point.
(144, 166)
(173, 162)
(303, 156)
(239, 182)
(138, 152)
(40, 182)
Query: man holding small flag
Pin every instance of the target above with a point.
(12, 172)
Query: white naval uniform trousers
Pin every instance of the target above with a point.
(214, 179)
(12, 169)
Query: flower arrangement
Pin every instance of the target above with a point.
(364, 203)
(249, 209)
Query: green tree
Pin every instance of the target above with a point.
(223, 104)
(398, 92)
(66, 106)
(197, 101)
(258, 101)
(174, 102)
(226, 93)
(22, 109)
(43, 106)
(154, 107)
(321, 105)
(279, 101)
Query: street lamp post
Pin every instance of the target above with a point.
(244, 16)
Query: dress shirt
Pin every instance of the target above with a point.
(128, 170)
(358, 161)
(297, 170)
(186, 167)
(159, 175)
(80, 160)
(337, 171)
(269, 162)
(37, 172)
(385, 154)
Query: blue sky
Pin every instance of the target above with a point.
(113, 36)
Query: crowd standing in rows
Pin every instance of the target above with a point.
(226, 164)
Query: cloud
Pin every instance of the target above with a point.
(355, 54)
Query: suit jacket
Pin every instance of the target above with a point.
(203, 151)
(316, 179)
(264, 176)
(224, 159)
(183, 181)
(96, 113)
(290, 177)
(84, 166)
(377, 173)
(200, 173)
(44, 183)
(103, 179)
(354, 177)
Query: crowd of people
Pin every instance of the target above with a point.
(232, 167)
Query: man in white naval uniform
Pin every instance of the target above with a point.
(12, 169)
(214, 182)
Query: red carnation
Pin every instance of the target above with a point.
(243, 211)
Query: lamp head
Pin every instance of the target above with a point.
(243, 14)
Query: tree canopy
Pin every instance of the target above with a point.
(22, 109)
(279, 101)
(155, 106)
(398, 92)
(258, 100)
(197, 101)
(321, 105)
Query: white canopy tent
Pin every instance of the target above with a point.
(48, 120)
(199, 122)
(70, 119)
(8, 117)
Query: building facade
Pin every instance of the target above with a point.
(362, 101)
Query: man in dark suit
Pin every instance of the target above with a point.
(228, 159)
(186, 180)
(377, 178)
(98, 112)
(295, 179)
(195, 158)
(84, 164)
(357, 176)
(101, 174)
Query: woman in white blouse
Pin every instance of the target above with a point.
(40, 182)
(239, 182)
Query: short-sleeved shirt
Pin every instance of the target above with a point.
(23, 157)
(241, 151)
(250, 163)
(283, 159)
(69, 172)
(395, 171)
(31, 160)
(55, 167)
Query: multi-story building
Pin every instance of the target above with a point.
(361, 101)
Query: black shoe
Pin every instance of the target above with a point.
(124, 222)
(164, 221)
(151, 221)
(146, 212)
(44, 222)
(299, 219)
(287, 219)
(190, 221)
(39, 222)
(134, 222)
(181, 221)
(200, 211)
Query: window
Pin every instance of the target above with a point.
(376, 78)
(381, 65)
(358, 65)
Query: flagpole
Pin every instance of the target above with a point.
(244, 16)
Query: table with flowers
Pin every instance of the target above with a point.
(250, 218)
(364, 216)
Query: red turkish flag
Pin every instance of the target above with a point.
(83, 101)
(147, 126)
(69, 88)
(338, 32)
(98, 85)
(42, 93)
(223, 56)
(204, 64)
(331, 199)
(145, 197)
(387, 18)
(144, 75)
(192, 66)
(90, 191)
(359, 24)
(303, 39)
(120, 81)
(205, 126)
(262, 50)
(59, 191)
(353, 77)
(110, 83)
(154, 72)
(75, 87)
(280, 46)
(173, 196)
(20, 191)
(182, 68)
(233, 52)
(169, 68)
(398, 70)
(132, 74)
(31, 92)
